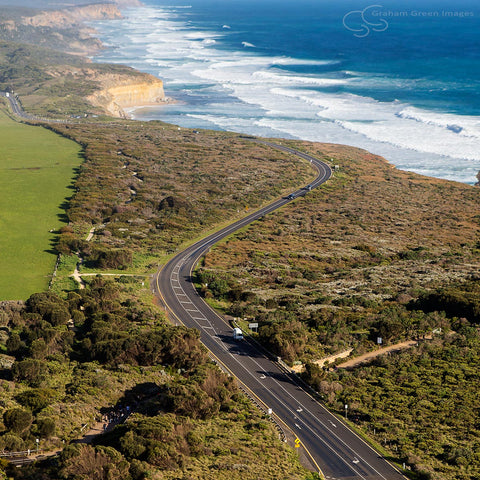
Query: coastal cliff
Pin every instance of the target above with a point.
(73, 16)
(120, 92)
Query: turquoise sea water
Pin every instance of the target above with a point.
(400, 79)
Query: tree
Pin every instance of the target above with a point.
(50, 306)
(313, 375)
(15, 346)
(11, 443)
(30, 371)
(36, 399)
(38, 349)
(59, 316)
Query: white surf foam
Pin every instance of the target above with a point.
(276, 78)
(467, 126)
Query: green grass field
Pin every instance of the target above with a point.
(36, 169)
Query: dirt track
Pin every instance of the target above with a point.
(376, 353)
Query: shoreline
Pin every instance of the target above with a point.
(243, 118)
(129, 111)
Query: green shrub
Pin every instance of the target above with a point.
(11, 443)
(37, 398)
(45, 427)
(15, 346)
(38, 349)
(17, 420)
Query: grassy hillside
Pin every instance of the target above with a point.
(51, 83)
(36, 168)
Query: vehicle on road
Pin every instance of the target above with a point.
(237, 334)
(291, 196)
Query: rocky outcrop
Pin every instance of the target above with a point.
(120, 92)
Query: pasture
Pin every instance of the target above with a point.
(36, 172)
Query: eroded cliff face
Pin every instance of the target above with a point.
(116, 91)
(120, 92)
(74, 16)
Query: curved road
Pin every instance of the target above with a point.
(334, 448)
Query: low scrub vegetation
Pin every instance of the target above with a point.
(374, 254)
(420, 404)
(149, 188)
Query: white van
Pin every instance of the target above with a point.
(237, 334)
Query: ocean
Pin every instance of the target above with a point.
(400, 79)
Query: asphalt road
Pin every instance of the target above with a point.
(333, 447)
(20, 112)
(15, 106)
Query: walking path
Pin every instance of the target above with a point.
(29, 456)
(76, 274)
(90, 234)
